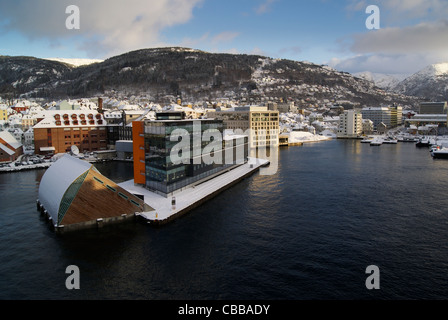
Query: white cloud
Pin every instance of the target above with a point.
(265, 6)
(421, 38)
(415, 35)
(225, 36)
(258, 52)
(386, 63)
(399, 11)
(107, 27)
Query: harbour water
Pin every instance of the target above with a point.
(308, 232)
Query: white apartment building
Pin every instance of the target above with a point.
(377, 115)
(350, 124)
(263, 124)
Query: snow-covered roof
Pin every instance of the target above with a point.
(6, 149)
(9, 139)
(57, 179)
(113, 114)
(51, 121)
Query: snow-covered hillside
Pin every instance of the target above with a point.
(430, 82)
(76, 62)
(381, 80)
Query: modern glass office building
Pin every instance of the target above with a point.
(179, 152)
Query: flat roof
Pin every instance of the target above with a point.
(163, 209)
(180, 120)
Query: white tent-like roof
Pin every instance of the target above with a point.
(57, 179)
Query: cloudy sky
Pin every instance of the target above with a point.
(412, 34)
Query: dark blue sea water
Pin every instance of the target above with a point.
(308, 232)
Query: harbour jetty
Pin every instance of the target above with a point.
(166, 209)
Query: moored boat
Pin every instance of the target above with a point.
(376, 142)
(423, 142)
(367, 140)
(390, 141)
(407, 139)
(439, 153)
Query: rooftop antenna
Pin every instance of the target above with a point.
(75, 150)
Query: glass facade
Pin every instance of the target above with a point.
(190, 139)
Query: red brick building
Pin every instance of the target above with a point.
(59, 130)
(10, 148)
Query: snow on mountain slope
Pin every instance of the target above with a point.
(381, 80)
(76, 62)
(430, 83)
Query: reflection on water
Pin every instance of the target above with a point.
(307, 232)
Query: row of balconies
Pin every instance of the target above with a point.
(74, 116)
(77, 123)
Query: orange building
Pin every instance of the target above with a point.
(58, 131)
(138, 131)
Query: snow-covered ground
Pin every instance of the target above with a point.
(12, 168)
(304, 137)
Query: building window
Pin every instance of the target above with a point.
(135, 203)
(123, 195)
(111, 188)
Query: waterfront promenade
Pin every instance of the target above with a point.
(166, 210)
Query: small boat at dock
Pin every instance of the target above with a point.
(423, 142)
(390, 141)
(406, 138)
(376, 142)
(439, 153)
(367, 140)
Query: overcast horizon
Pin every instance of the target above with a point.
(413, 33)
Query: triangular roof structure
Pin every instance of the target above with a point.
(10, 140)
(74, 192)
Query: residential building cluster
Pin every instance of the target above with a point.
(101, 124)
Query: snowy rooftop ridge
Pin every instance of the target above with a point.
(74, 118)
(9, 139)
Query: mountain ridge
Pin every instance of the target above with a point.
(430, 83)
(194, 75)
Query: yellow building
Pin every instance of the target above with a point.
(396, 116)
(28, 121)
(3, 113)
